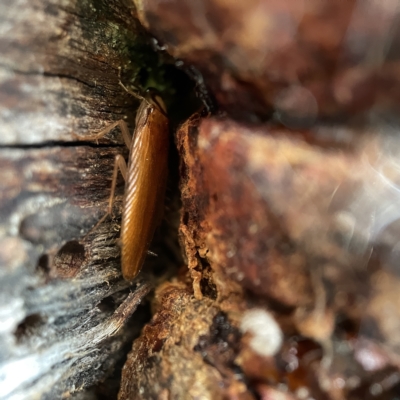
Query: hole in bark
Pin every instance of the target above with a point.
(43, 266)
(208, 288)
(69, 259)
(107, 304)
(185, 218)
(27, 327)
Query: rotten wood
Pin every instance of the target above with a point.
(289, 206)
(292, 61)
(289, 285)
(281, 248)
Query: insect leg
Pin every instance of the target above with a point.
(124, 129)
(121, 165)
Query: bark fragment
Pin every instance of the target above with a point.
(278, 237)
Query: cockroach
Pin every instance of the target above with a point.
(145, 179)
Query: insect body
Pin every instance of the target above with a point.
(145, 181)
(145, 187)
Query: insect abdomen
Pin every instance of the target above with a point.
(145, 188)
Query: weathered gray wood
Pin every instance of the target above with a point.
(59, 68)
(63, 303)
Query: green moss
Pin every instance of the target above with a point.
(117, 36)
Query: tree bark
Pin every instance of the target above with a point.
(289, 284)
(64, 305)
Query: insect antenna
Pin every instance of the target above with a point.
(135, 93)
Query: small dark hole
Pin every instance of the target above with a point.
(28, 326)
(107, 304)
(43, 264)
(69, 259)
(185, 219)
(208, 288)
(207, 285)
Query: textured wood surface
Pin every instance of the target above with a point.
(64, 306)
(288, 287)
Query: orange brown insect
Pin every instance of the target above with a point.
(145, 181)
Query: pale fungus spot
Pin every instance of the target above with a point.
(266, 334)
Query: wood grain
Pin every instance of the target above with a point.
(64, 307)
